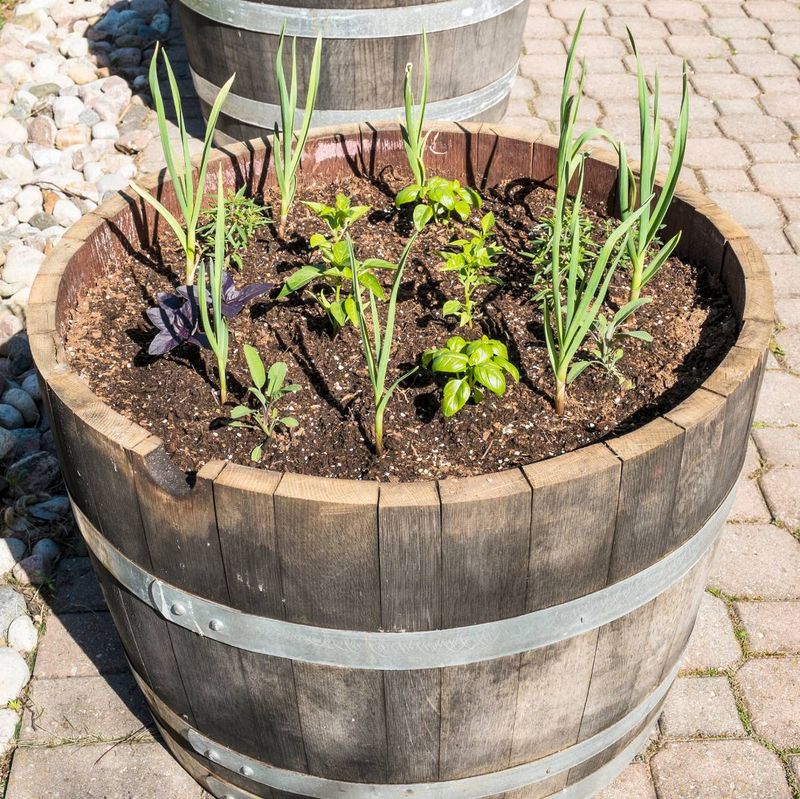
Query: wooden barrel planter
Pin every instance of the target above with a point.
(512, 635)
(474, 50)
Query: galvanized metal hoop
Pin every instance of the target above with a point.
(267, 115)
(388, 651)
(351, 23)
(476, 787)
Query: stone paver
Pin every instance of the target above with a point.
(106, 708)
(101, 771)
(718, 770)
(757, 560)
(771, 626)
(700, 706)
(80, 645)
(713, 643)
(75, 587)
(771, 690)
(633, 783)
(749, 505)
(779, 447)
(779, 403)
(781, 488)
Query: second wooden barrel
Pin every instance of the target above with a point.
(474, 52)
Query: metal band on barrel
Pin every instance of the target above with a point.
(351, 23)
(390, 651)
(267, 115)
(465, 788)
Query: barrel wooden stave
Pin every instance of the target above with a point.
(387, 534)
(363, 76)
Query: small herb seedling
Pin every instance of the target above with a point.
(438, 200)
(188, 193)
(269, 389)
(608, 335)
(286, 153)
(340, 216)
(474, 366)
(243, 218)
(335, 274)
(470, 259)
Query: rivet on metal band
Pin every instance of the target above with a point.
(360, 649)
(351, 23)
(267, 115)
(465, 788)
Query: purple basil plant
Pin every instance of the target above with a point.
(176, 317)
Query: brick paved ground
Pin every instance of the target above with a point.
(731, 727)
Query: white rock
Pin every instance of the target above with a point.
(30, 195)
(46, 68)
(8, 728)
(26, 212)
(8, 190)
(64, 13)
(22, 635)
(32, 5)
(105, 130)
(14, 674)
(12, 550)
(49, 156)
(14, 71)
(11, 132)
(66, 213)
(22, 264)
(81, 72)
(66, 111)
(12, 604)
(111, 183)
(17, 168)
(75, 45)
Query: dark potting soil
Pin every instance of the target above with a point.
(175, 397)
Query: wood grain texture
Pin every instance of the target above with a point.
(504, 157)
(357, 74)
(409, 523)
(248, 542)
(651, 459)
(574, 513)
(746, 278)
(327, 533)
(738, 379)
(699, 491)
(486, 524)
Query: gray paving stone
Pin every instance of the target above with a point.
(771, 626)
(713, 644)
(781, 487)
(700, 706)
(779, 402)
(789, 341)
(718, 770)
(69, 709)
(779, 446)
(757, 560)
(80, 645)
(100, 771)
(76, 588)
(749, 505)
(771, 691)
(634, 783)
(794, 765)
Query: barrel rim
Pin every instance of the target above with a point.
(740, 260)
